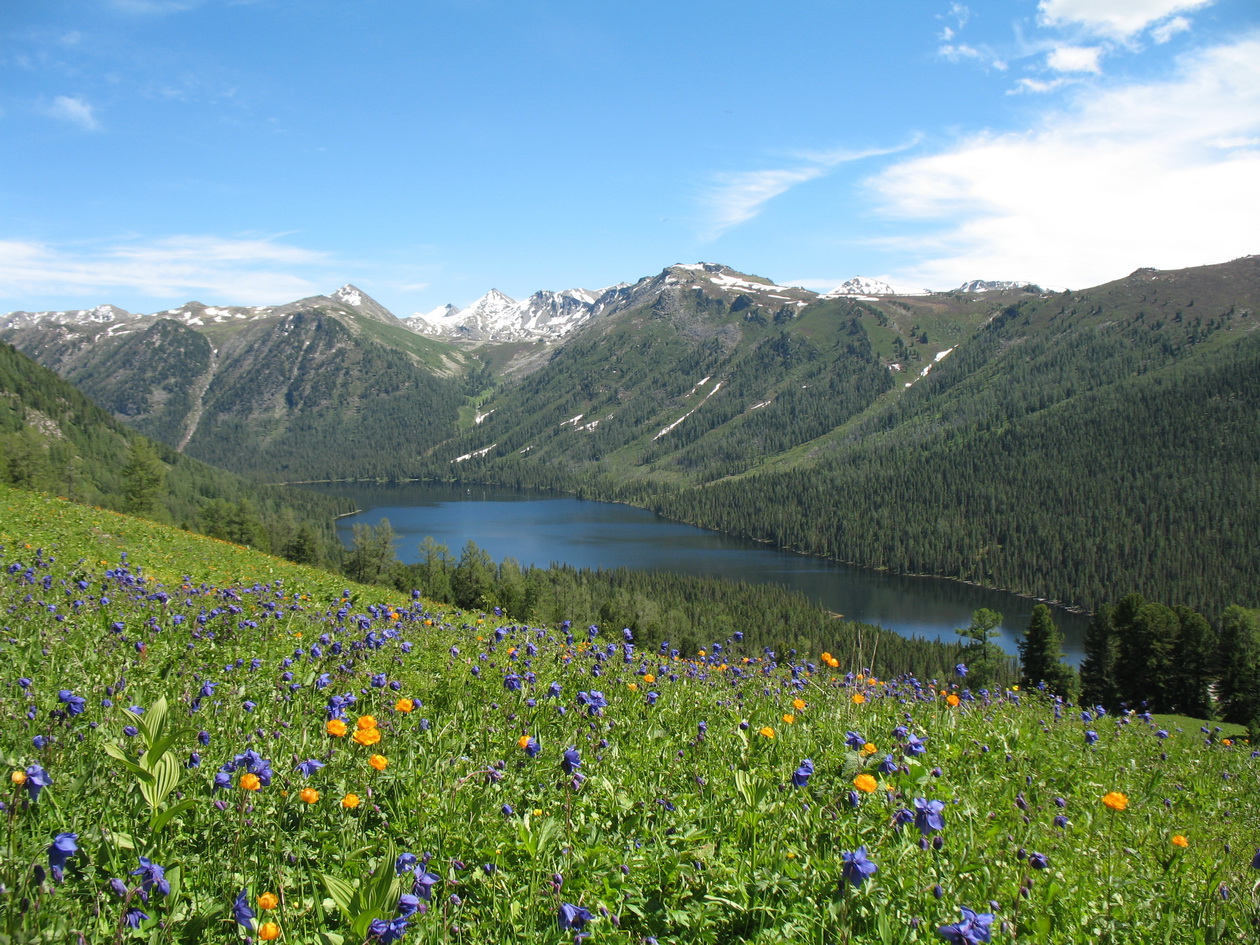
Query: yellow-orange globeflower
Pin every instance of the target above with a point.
(1115, 800)
(404, 705)
(367, 736)
(269, 931)
(1179, 840)
(633, 687)
(268, 900)
(865, 783)
(952, 700)
(766, 732)
(858, 698)
(250, 781)
(798, 704)
(789, 718)
(649, 678)
(365, 722)
(18, 778)
(869, 748)
(309, 795)
(336, 727)
(350, 801)
(379, 762)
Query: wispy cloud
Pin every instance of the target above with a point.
(74, 110)
(1158, 173)
(1117, 19)
(737, 197)
(225, 270)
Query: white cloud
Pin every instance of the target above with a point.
(1074, 59)
(223, 270)
(1118, 19)
(1037, 85)
(74, 110)
(1170, 28)
(1129, 176)
(737, 197)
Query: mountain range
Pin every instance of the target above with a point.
(1069, 445)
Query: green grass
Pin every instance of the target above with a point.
(685, 826)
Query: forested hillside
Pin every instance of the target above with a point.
(53, 439)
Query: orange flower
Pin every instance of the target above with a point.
(1180, 841)
(367, 736)
(378, 762)
(869, 748)
(798, 704)
(365, 723)
(858, 698)
(633, 687)
(336, 727)
(310, 795)
(404, 705)
(789, 718)
(1115, 800)
(865, 783)
(522, 742)
(1227, 742)
(18, 778)
(268, 900)
(766, 732)
(952, 700)
(350, 801)
(269, 931)
(649, 678)
(250, 781)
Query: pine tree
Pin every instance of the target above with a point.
(1192, 662)
(1041, 655)
(1098, 679)
(979, 652)
(1238, 688)
(144, 477)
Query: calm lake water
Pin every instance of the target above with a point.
(542, 529)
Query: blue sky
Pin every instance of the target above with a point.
(253, 152)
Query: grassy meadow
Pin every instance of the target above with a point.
(204, 744)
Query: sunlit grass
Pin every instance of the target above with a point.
(666, 798)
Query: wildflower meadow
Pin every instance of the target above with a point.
(205, 745)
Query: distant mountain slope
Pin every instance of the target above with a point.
(324, 387)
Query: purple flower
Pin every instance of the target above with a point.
(888, 765)
(310, 766)
(409, 905)
(74, 704)
(390, 931)
(914, 746)
(241, 910)
(973, 928)
(36, 780)
(1039, 861)
(800, 777)
(134, 917)
(927, 816)
(573, 918)
(857, 868)
(854, 740)
(1090, 737)
(64, 846)
(151, 875)
(423, 885)
(902, 816)
(571, 761)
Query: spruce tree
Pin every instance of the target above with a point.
(1238, 688)
(1098, 669)
(1192, 662)
(1041, 655)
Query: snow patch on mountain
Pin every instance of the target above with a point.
(863, 287)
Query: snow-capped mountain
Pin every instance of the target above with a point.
(347, 299)
(991, 285)
(549, 315)
(862, 287)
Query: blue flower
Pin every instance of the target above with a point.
(75, 704)
(36, 780)
(800, 777)
(241, 910)
(857, 868)
(854, 740)
(927, 816)
(888, 765)
(423, 885)
(151, 875)
(134, 917)
(571, 761)
(405, 863)
(388, 931)
(409, 905)
(961, 669)
(309, 767)
(973, 928)
(573, 918)
(64, 846)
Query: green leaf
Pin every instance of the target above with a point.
(160, 820)
(120, 756)
(342, 893)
